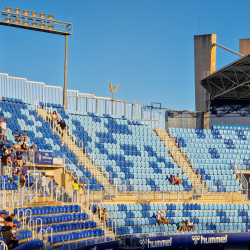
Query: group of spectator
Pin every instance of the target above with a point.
(186, 226)
(175, 180)
(103, 214)
(162, 219)
(12, 156)
(54, 120)
(9, 229)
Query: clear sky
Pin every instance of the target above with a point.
(145, 45)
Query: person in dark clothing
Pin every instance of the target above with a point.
(10, 238)
(62, 124)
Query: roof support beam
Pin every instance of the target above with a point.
(229, 50)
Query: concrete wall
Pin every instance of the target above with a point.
(204, 61)
(244, 46)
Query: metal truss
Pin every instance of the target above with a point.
(230, 82)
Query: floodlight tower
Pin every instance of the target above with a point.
(33, 22)
(113, 90)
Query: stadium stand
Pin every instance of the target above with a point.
(130, 154)
(213, 155)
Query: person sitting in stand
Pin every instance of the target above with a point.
(159, 219)
(62, 125)
(190, 225)
(25, 145)
(172, 180)
(33, 147)
(4, 128)
(1, 118)
(24, 171)
(182, 226)
(178, 180)
(167, 220)
(16, 135)
(17, 145)
(23, 135)
(10, 238)
(105, 215)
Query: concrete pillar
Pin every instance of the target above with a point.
(204, 61)
(244, 46)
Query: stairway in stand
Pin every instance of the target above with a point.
(81, 156)
(182, 162)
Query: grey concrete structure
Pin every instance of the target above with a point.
(204, 60)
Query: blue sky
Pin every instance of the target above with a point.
(144, 45)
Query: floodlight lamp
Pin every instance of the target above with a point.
(26, 22)
(26, 12)
(8, 9)
(8, 19)
(42, 15)
(116, 87)
(111, 87)
(42, 25)
(34, 14)
(51, 27)
(17, 11)
(51, 17)
(17, 21)
(34, 24)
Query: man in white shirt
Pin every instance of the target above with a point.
(190, 225)
(4, 128)
(44, 184)
(159, 218)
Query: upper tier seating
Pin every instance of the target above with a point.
(141, 218)
(213, 155)
(128, 152)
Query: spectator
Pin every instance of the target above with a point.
(4, 162)
(54, 118)
(62, 125)
(190, 225)
(19, 157)
(15, 177)
(23, 135)
(105, 215)
(2, 221)
(33, 147)
(182, 226)
(16, 135)
(167, 220)
(100, 212)
(22, 181)
(17, 145)
(1, 118)
(172, 180)
(178, 180)
(75, 191)
(4, 128)
(159, 219)
(25, 145)
(24, 171)
(10, 238)
(44, 184)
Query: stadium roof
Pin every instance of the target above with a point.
(231, 81)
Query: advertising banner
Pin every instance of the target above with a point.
(111, 245)
(192, 240)
(44, 158)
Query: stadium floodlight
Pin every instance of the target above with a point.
(113, 90)
(43, 24)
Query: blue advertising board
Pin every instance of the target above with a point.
(111, 245)
(44, 158)
(192, 240)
